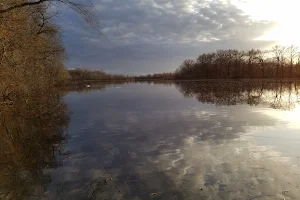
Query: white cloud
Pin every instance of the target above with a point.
(178, 21)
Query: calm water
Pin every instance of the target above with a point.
(188, 140)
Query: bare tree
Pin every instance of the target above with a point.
(253, 63)
(298, 64)
(186, 70)
(279, 53)
(251, 54)
(261, 58)
(32, 55)
(292, 52)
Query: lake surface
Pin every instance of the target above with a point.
(183, 140)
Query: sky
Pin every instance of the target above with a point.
(153, 36)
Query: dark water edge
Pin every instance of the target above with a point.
(183, 140)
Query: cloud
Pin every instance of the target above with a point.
(176, 22)
(156, 35)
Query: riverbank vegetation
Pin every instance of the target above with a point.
(278, 62)
(82, 74)
(31, 53)
(32, 56)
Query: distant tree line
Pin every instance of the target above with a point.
(278, 62)
(83, 74)
(157, 76)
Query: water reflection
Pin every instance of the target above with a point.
(276, 94)
(32, 138)
(147, 141)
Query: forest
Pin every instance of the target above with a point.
(278, 62)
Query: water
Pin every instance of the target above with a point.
(184, 140)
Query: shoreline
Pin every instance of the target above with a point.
(74, 82)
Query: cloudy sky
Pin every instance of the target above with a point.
(147, 36)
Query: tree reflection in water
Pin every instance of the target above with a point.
(122, 152)
(179, 150)
(32, 135)
(276, 94)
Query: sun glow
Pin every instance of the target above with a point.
(291, 117)
(285, 14)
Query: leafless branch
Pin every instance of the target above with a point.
(83, 9)
(21, 5)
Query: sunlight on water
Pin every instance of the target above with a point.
(292, 117)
